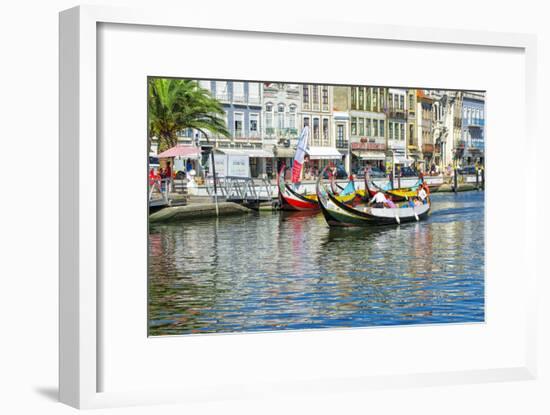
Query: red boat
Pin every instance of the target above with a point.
(291, 199)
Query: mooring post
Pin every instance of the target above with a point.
(215, 186)
(455, 180)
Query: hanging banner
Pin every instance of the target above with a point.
(300, 155)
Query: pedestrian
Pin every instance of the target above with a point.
(379, 200)
(422, 194)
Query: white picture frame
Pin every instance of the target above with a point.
(79, 312)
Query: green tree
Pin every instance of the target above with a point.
(178, 104)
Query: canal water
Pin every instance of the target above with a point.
(284, 270)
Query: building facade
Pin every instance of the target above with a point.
(354, 126)
(242, 103)
(317, 114)
(367, 126)
(282, 115)
(396, 154)
(473, 126)
(424, 128)
(414, 150)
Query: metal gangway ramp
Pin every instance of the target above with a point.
(243, 190)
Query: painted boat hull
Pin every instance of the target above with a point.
(341, 215)
(291, 200)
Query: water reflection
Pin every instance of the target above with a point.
(285, 270)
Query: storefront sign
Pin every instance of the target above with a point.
(231, 165)
(368, 146)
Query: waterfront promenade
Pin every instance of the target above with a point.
(199, 201)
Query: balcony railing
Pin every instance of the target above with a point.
(396, 114)
(254, 100)
(255, 137)
(222, 97)
(240, 99)
(342, 143)
(282, 132)
(475, 122)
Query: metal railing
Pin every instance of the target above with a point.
(240, 189)
(159, 190)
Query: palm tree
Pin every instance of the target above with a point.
(178, 104)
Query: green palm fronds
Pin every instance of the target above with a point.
(177, 104)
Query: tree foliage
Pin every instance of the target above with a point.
(178, 104)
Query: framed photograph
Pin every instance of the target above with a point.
(307, 207)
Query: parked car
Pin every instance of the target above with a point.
(359, 172)
(468, 170)
(408, 172)
(377, 172)
(340, 173)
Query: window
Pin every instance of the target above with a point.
(361, 99)
(306, 94)
(361, 126)
(390, 101)
(221, 90)
(254, 92)
(325, 95)
(254, 124)
(325, 129)
(402, 126)
(375, 99)
(381, 122)
(368, 129)
(340, 135)
(390, 126)
(401, 102)
(411, 134)
(369, 100)
(280, 116)
(396, 132)
(238, 124)
(353, 126)
(238, 91)
(269, 117)
(292, 117)
(353, 98)
(315, 94)
(316, 128)
(411, 103)
(306, 121)
(375, 127)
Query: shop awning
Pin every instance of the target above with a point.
(369, 155)
(250, 152)
(324, 153)
(402, 160)
(187, 152)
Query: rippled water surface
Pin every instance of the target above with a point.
(284, 270)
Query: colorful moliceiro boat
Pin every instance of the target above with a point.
(396, 194)
(292, 198)
(337, 213)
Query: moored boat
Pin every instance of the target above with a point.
(291, 199)
(397, 195)
(337, 213)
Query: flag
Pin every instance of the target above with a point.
(300, 155)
